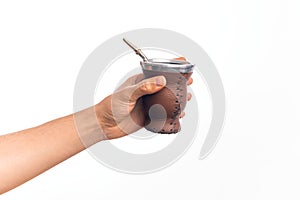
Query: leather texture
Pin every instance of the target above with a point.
(164, 107)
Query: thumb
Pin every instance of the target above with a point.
(148, 86)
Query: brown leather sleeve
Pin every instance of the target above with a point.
(164, 107)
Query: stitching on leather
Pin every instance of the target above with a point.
(177, 103)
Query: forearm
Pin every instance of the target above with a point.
(28, 153)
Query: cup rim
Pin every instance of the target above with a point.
(167, 65)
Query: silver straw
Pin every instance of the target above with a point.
(138, 51)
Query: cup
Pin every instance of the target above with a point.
(164, 107)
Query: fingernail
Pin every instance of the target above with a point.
(160, 81)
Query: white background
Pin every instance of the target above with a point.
(255, 46)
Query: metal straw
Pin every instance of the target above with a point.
(138, 51)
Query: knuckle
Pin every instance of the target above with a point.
(147, 86)
(151, 86)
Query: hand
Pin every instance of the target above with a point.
(122, 113)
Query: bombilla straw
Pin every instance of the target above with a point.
(136, 50)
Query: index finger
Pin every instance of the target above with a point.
(190, 81)
(180, 58)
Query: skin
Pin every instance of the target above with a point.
(28, 153)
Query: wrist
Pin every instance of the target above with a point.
(88, 127)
